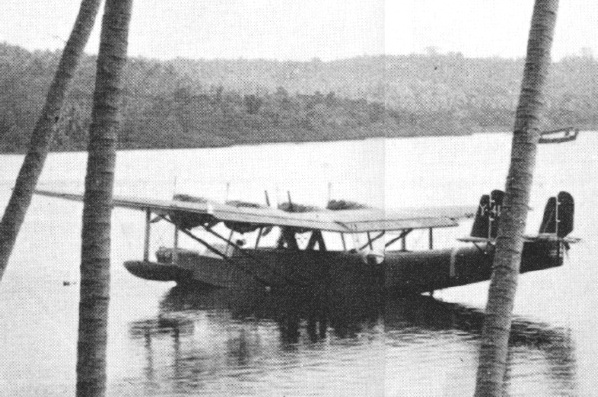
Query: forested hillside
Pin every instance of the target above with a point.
(188, 103)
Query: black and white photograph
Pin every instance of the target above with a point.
(298, 198)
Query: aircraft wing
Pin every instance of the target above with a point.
(343, 221)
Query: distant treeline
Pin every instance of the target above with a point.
(189, 103)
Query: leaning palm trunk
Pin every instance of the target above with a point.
(509, 243)
(43, 131)
(97, 206)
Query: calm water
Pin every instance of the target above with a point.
(165, 341)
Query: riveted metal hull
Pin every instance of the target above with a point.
(401, 271)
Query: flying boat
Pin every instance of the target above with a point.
(370, 245)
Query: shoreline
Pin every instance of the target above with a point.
(217, 146)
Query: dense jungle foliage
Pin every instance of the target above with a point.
(199, 103)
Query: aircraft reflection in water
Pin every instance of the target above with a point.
(221, 340)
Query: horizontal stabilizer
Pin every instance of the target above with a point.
(552, 237)
(475, 240)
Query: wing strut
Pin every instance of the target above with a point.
(148, 227)
(218, 253)
(227, 259)
(259, 236)
(316, 238)
(401, 236)
(371, 240)
(175, 251)
(205, 244)
(431, 238)
(253, 258)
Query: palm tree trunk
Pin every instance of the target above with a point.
(509, 243)
(41, 137)
(97, 206)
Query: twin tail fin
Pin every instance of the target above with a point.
(556, 222)
(558, 215)
(485, 225)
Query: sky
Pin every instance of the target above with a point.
(306, 29)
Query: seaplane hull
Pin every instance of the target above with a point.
(401, 271)
(302, 257)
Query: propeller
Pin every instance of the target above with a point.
(267, 198)
(266, 230)
(290, 201)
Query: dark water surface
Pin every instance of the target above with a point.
(329, 344)
(166, 340)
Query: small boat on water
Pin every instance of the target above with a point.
(559, 135)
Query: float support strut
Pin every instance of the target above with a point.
(146, 242)
(175, 250)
